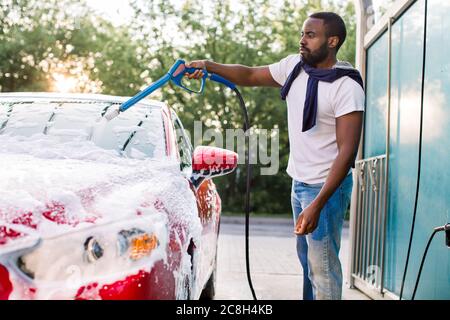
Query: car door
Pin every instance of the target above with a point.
(208, 203)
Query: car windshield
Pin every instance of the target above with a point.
(137, 133)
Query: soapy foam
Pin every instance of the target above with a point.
(98, 129)
(90, 182)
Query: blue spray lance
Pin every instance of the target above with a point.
(176, 74)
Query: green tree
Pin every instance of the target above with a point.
(41, 39)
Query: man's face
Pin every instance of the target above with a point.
(314, 42)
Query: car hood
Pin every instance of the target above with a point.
(44, 196)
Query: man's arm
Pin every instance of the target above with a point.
(348, 132)
(236, 73)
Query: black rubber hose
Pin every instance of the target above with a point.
(247, 191)
(420, 152)
(422, 263)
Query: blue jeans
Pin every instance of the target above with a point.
(318, 251)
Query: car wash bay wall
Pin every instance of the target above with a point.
(413, 75)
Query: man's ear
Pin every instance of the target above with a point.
(333, 42)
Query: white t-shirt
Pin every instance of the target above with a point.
(312, 152)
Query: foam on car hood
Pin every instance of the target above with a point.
(91, 184)
(49, 188)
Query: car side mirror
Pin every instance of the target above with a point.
(208, 162)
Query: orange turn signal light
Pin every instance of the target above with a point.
(142, 245)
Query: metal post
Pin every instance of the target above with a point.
(388, 132)
(360, 64)
(354, 222)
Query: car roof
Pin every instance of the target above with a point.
(70, 97)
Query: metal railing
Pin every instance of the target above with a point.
(369, 227)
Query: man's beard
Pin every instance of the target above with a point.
(313, 58)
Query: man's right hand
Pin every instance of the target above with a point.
(198, 64)
(238, 74)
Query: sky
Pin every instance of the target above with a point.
(119, 12)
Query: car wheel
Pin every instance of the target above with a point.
(209, 291)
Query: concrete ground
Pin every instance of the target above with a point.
(275, 269)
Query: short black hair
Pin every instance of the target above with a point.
(334, 25)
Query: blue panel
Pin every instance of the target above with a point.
(434, 198)
(406, 79)
(376, 105)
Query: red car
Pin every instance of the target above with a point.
(91, 209)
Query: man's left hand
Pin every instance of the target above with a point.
(308, 220)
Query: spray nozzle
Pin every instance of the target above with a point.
(112, 114)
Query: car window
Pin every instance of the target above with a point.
(185, 149)
(137, 133)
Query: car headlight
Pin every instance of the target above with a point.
(95, 253)
(93, 249)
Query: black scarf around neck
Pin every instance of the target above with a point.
(316, 75)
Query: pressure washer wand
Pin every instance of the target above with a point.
(141, 95)
(175, 74)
